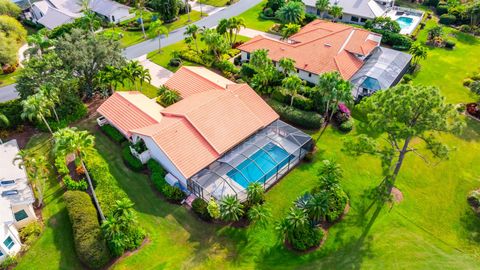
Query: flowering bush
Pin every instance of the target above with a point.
(343, 108)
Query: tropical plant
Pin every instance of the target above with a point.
(291, 84)
(255, 193)
(168, 9)
(434, 33)
(192, 32)
(39, 43)
(157, 29)
(292, 12)
(36, 107)
(287, 65)
(37, 172)
(275, 4)
(213, 209)
(296, 219)
(289, 29)
(329, 174)
(230, 208)
(140, 4)
(215, 42)
(110, 77)
(259, 215)
(383, 23)
(404, 113)
(9, 8)
(322, 7)
(336, 12)
(79, 143)
(167, 96)
(331, 90)
(135, 72)
(4, 119)
(418, 52)
(234, 25)
(49, 94)
(317, 207)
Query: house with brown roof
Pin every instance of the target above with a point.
(323, 46)
(217, 139)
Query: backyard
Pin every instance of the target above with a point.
(432, 228)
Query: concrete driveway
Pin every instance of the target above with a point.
(8, 93)
(158, 73)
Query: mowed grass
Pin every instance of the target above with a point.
(146, 88)
(55, 248)
(448, 68)
(7, 79)
(215, 3)
(253, 20)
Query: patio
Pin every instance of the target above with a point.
(265, 158)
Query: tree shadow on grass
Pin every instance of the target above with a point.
(465, 38)
(471, 132)
(470, 222)
(63, 240)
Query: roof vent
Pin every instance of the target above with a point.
(328, 45)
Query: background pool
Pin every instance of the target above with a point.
(249, 169)
(404, 22)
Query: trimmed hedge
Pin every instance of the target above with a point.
(300, 102)
(306, 237)
(447, 19)
(113, 133)
(395, 39)
(171, 193)
(303, 119)
(154, 167)
(71, 184)
(131, 161)
(90, 245)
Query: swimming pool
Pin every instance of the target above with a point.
(267, 159)
(404, 22)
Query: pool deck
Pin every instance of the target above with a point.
(415, 15)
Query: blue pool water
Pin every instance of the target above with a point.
(248, 171)
(404, 22)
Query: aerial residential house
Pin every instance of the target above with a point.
(16, 200)
(53, 13)
(323, 46)
(215, 141)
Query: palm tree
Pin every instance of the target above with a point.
(34, 108)
(336, 12)
(157, 29)
(230, 208)
(50, 96)
(289, 30)
(287, 65)
(234, 26)
(333, 89)
(111, 77)
(255, 193)
(143, 76)
(168, 96)
(418, 52)
(215, 42)
(4, 119)
(80, 143)
(322, 7)
(292, 84)
(192, 31)
(141, 6)
(259, 215)
(317, 206)
(37, 172)
(292, 12)
(134, 72)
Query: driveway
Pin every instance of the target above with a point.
(8, 93)
(251, 33)
(176, 35)
(158, 73)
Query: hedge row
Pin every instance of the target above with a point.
(396, 40)
(300, 102)
(106, 187)
(171, 193)
(131, 161)
(303, 119)
(113, 133)
(90, 245)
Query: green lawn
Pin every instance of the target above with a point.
(215, 3)
(164, 57)
(146, 88)
(130, 38)
(6, 79)
(253, 20)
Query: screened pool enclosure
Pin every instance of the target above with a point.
(264, 158)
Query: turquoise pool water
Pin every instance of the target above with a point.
(404, 22)
(249, 171)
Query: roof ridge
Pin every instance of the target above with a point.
(198, 75)
(316, 39)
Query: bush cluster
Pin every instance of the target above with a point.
(157, 175)
(447, 19)
(396, 40)
(12, 109)
(30, 233)
(300, 101)
(90, 245)
(200, 207)
(346, 126)
(306, 237)
(71, 184)
(131, 161)
(113, 133)
(300, 118)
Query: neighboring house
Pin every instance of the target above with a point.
(215, 141)
(323, 46)
(53, 13)
(16, 200)
(355, 11)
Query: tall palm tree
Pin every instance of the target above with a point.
(80, 143)
(143, 76)
(334, 90)
(235, 24)
(157, 29)
(322, 7)
(230, 208)
(287, 65)
(255, 193)
(34, 108)
(37, 172)
(259, 215)
(192, 31)
(292, 83)
(111, 77)
(50, 97)
(336, 12)
(418, 52)
(141, 7)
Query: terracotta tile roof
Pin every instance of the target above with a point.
(320, 47)
(130, 110)
(191, 80)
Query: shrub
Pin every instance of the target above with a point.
(467, 82)
(90, 245)
(247, 71)
(31, 232)
(61, 165)
(449, 44)
(476, 76)
(71, 184)
(199, 206)
(302, 103)
(346, 126)
(447, 19)
(465, 28)
(154, 167)
(11, 109)
(268, 12)
(474, 199)
(280, 96)
(8, 262)
(175, 62)
(132, 162)
(309, 18)
(308, 120)
(407, 78)
(337, 202)
(226, 65)
(172, 193)
(395, 39)
(442, 10)
(158, 180)
(191, 56)
(306, 237)
(213, 209)
(113, 133)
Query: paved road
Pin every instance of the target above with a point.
(177, 34)
(8, 93)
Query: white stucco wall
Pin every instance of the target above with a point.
(30, 212)
(120, 15)
(9, 231)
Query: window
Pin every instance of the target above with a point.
(20, 215)
(9, 193)
(298, 70)
(7, 182)
(363, 20)
(309, 74)
(248, 56)
(9, 242)
(354, 19)
(1, 253)
(113, 18)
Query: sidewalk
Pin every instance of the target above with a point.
(158, 74)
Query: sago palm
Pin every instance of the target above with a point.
(255, 193)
